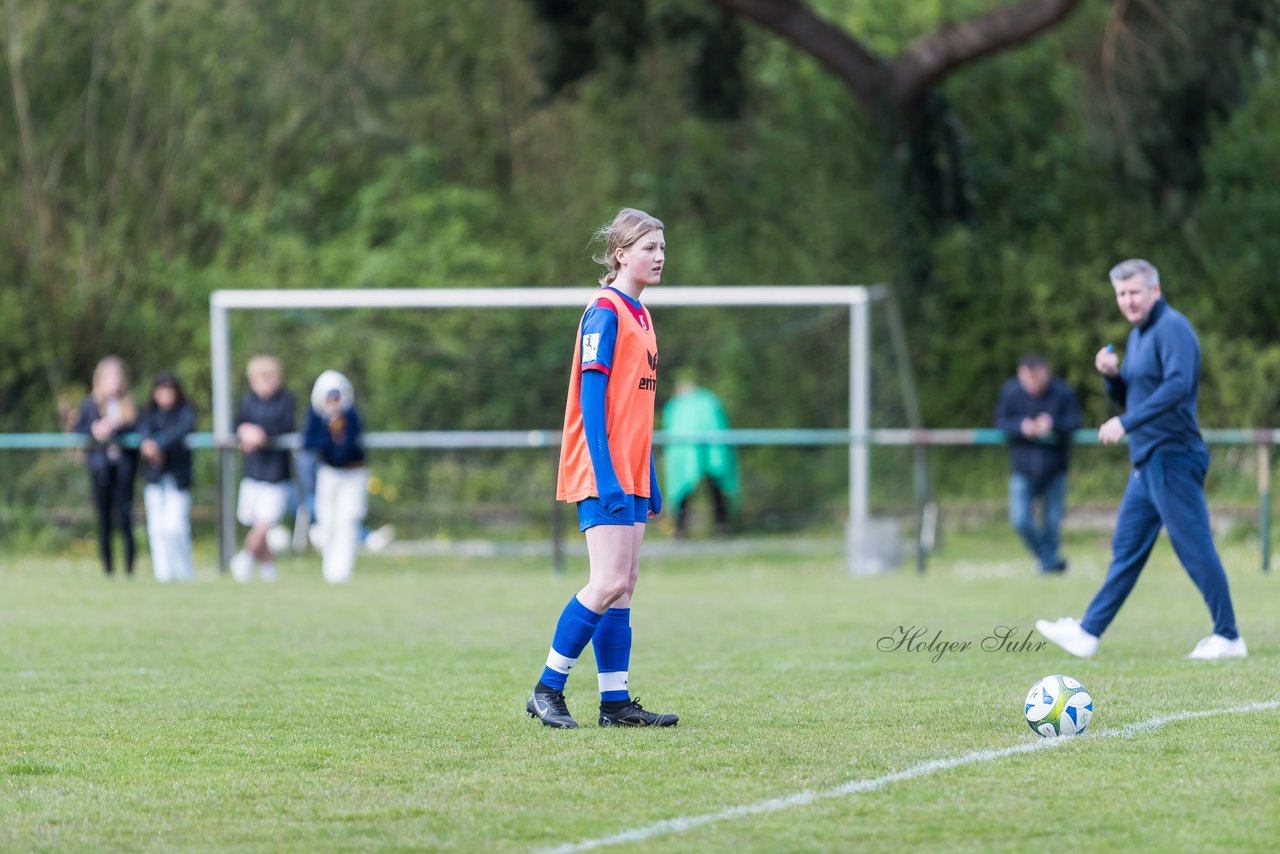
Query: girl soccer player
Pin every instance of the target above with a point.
(606, 468)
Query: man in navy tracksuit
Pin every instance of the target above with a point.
(1157, 385)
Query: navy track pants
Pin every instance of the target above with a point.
(1165, 491)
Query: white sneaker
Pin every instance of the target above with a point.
(380, 539)
(1067, 634)
(242, 567)
(1216, 646)
(268, 573)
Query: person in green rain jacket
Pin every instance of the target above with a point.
(695, 410)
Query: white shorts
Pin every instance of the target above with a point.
(262, 502)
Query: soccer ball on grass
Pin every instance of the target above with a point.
(1058, 706)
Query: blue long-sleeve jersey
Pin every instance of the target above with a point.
(1158, 385)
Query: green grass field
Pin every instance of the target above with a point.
(389, 714)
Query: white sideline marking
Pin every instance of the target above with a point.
(853, 787)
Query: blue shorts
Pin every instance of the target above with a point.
(591, 512)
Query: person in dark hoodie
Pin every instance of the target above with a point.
(1038, 412)
(107, 414)
(163, 428)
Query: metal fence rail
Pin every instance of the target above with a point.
(550, 438)
(1261, 439)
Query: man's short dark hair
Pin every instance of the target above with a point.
(1032, 360)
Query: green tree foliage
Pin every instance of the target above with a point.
(1171, 72)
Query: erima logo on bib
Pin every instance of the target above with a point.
(590, 347)
(650, 383)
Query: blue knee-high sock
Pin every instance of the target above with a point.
(573, 632)
(612, 644)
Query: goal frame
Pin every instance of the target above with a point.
(857, 298)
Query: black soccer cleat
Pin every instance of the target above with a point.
(548, 706)
(632, 714)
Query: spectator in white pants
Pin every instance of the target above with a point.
(342, 480)
(163, 428)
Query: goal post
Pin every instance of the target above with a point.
(857, 299)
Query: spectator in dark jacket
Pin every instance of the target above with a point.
(1038, 412)
(107, 414)
(163, 429)
(267, 411)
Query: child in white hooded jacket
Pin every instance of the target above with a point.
(333, 434)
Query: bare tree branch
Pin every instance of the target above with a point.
(928, 59)
(1161, 17)
(39, 255)
(127, 150)
(33, 195)
(876, 81)
(1111, 35)
(865, 73)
